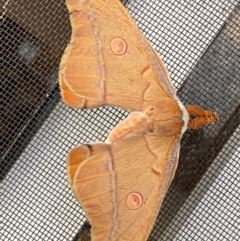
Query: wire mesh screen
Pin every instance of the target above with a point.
(200, 43)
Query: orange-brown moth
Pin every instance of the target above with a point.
(121, 183)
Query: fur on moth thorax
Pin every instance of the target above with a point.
(164, 118)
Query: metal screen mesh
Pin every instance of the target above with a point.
(200, 43)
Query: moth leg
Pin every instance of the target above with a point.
(81, 153)
(200, 117)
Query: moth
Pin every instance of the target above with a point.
(121, 183)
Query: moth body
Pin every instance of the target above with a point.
(165, 118)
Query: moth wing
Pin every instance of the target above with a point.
(105, 180)
(108, 61)
(79, 154)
